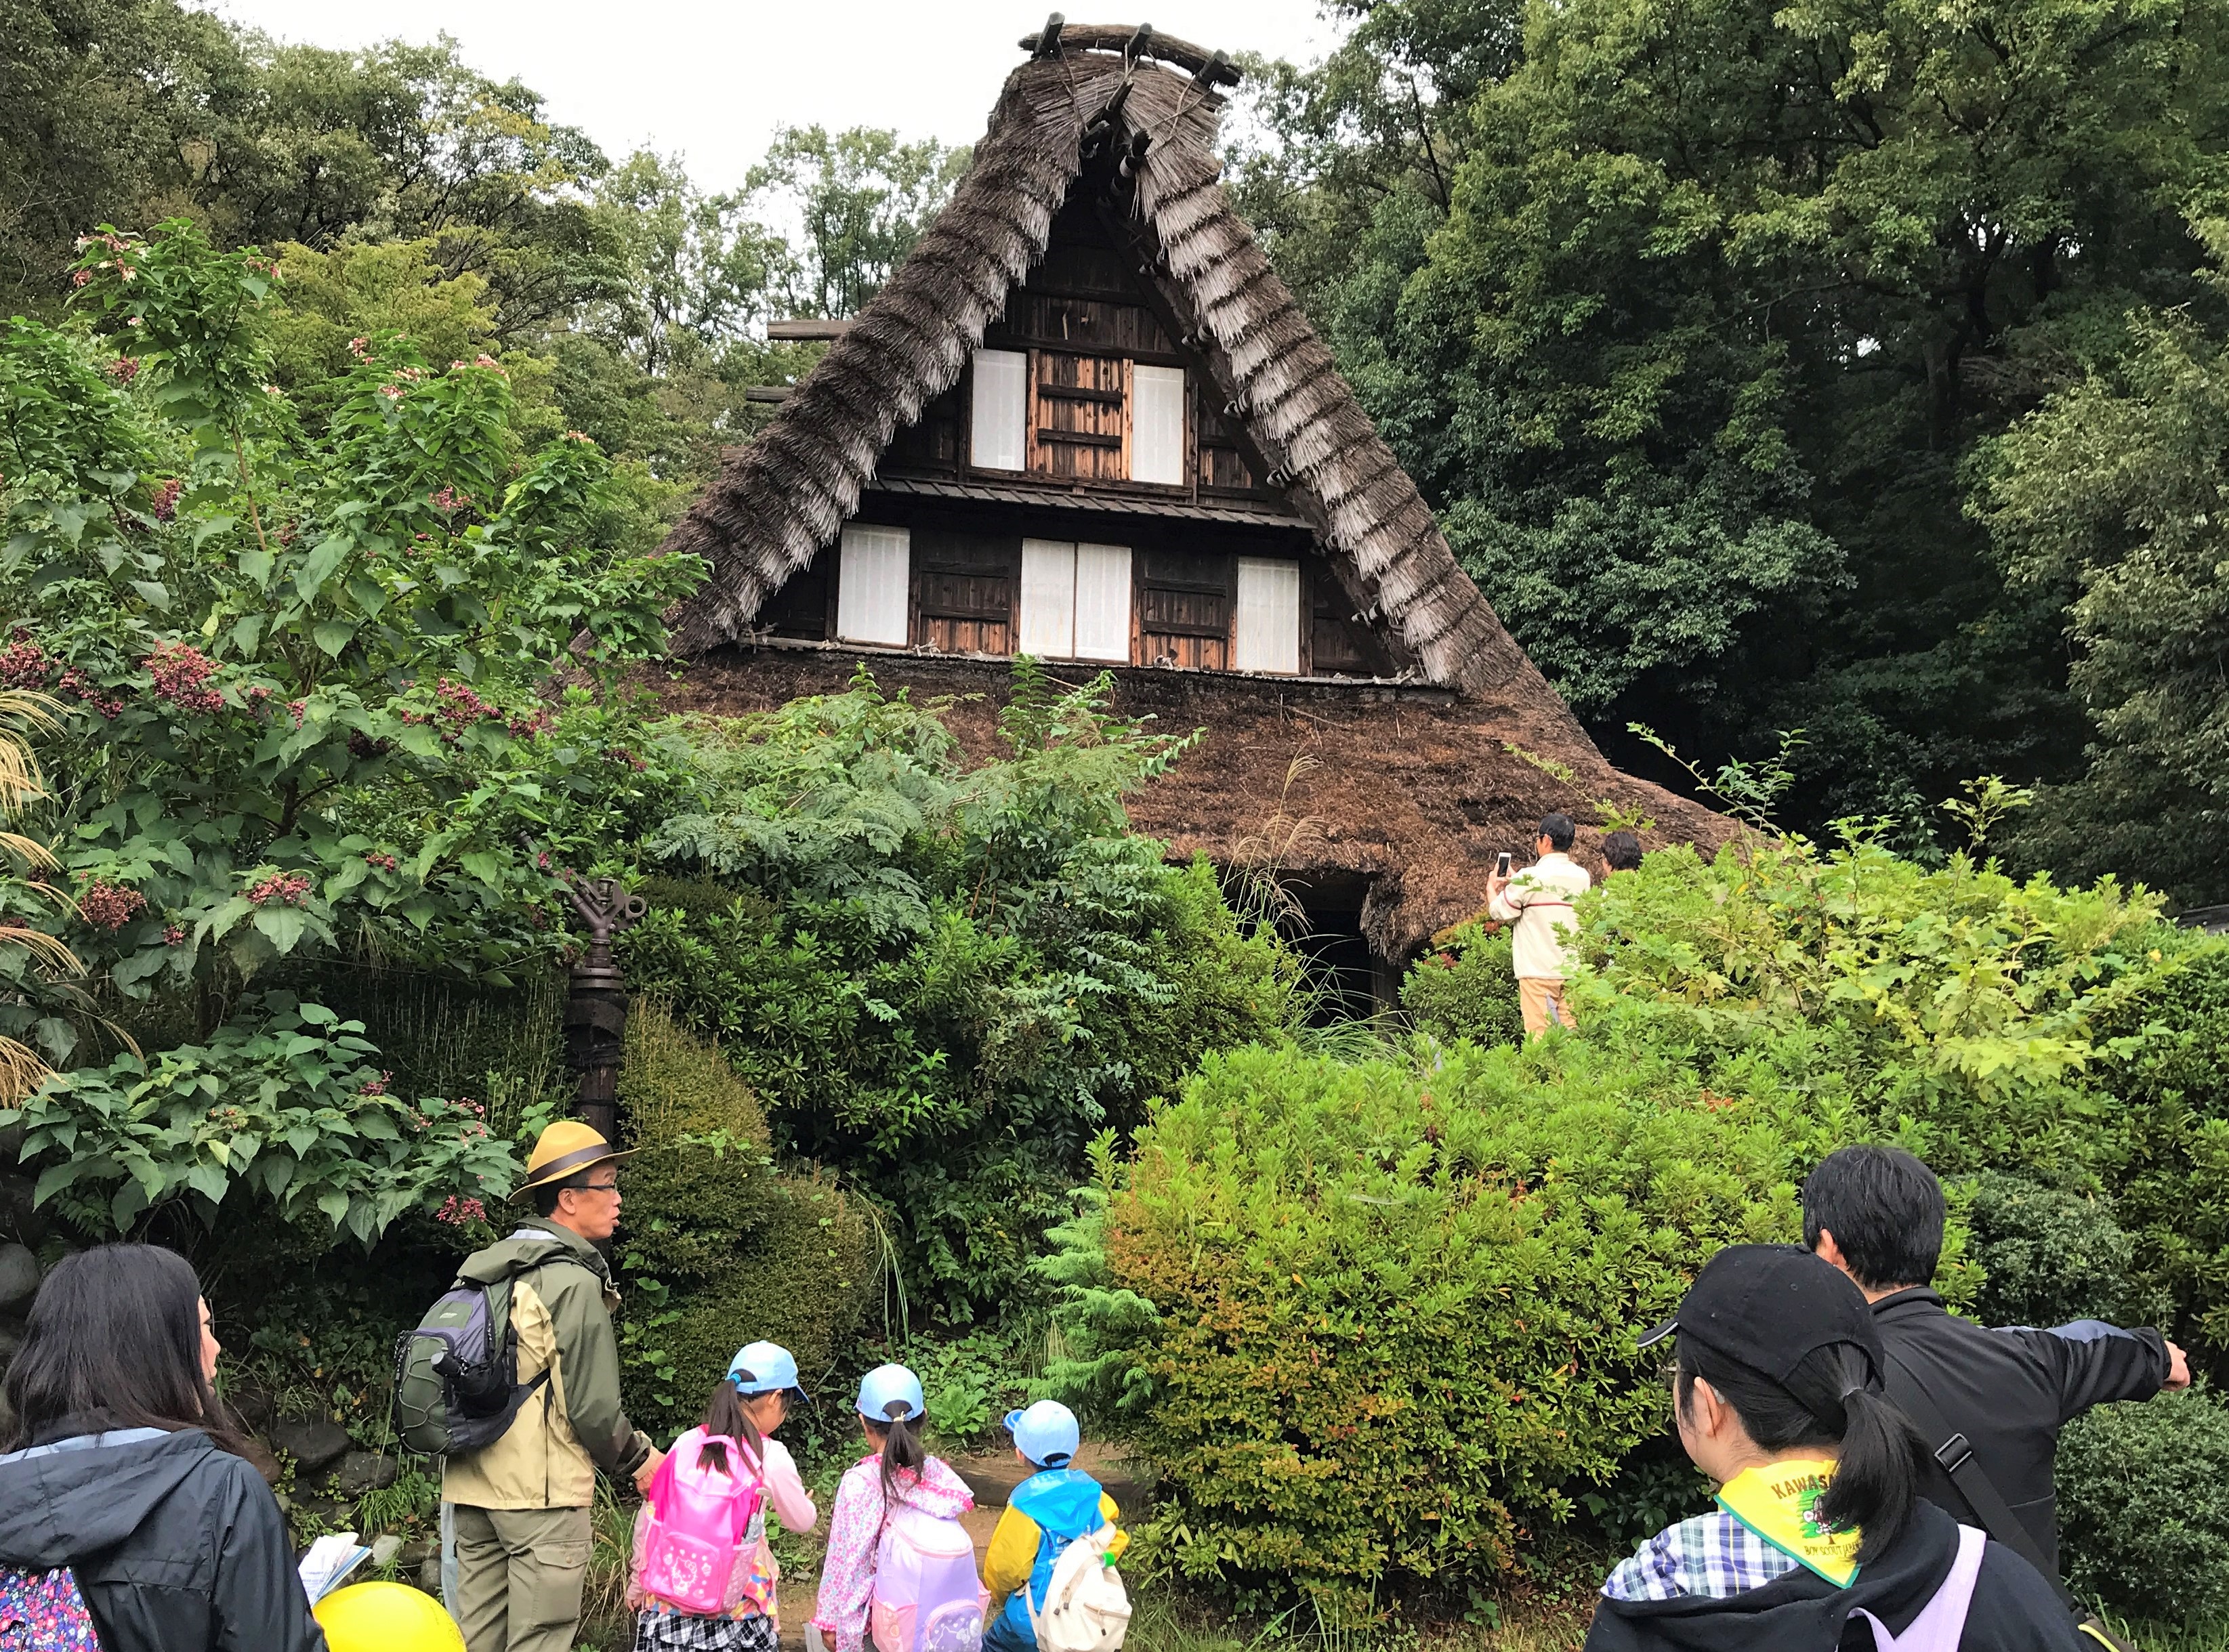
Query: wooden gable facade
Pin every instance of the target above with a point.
(1084, 493)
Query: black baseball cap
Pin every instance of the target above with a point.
(1770, 1307)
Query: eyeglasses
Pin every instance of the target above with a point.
(612, 1186)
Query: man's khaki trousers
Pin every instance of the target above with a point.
(1541, 999)
(519, 1576)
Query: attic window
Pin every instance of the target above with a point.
(872, 584)
(999, 436)
(1157, 424)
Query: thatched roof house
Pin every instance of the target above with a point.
(1086, 421)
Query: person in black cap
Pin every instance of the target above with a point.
(1777, 1398)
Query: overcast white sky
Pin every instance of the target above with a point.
(711, 80)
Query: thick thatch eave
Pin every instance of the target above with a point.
(782, 498)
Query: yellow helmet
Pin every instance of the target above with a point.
(385, 1618)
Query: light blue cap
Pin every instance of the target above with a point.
(771, 1367)
(886, 1386)
(1046, 1433)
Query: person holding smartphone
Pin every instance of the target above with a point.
(1537, 903)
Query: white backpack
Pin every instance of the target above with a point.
(1086, 1608)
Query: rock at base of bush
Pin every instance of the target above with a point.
(312, 1445)
(264, 1460)
(429, 1576)
(19, 1215)
(19, 1279)
(362, 1471)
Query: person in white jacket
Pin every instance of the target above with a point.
(1537, 902)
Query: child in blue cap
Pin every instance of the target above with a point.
(1045, 1514)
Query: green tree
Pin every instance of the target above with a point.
(1722, 296)
(862, 199)
(2119, 487)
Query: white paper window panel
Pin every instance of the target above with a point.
(1157, 424)
(871, 585)
(1048, 598)
(999, 437)
(1268, 631)
(1102, 602)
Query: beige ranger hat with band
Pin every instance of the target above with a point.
(564, 1150)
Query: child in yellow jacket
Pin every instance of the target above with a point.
(1046, 1513)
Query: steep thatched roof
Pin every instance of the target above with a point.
(778, 501)
(1401, 795)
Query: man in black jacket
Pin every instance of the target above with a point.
(1876, 1213)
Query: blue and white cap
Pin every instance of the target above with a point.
(1046, 1433)
(886, 1386)
(765, 1368)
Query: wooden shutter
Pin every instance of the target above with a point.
(1077, 430)
(964, 593)
(871, 586)
(1157, 426)
(999, 432)
(1184, 610)
(1267, 636)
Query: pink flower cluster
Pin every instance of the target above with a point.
(109, 906)
(457, 1212)
(181, 674)
(174, 934)
(360, 348)
(75, 682)
(384, 862)
(24, 664)
(166, 499)
(288, 888)
(375, 1087)
(448, 499)
(483, 360)
(527, 728)
(620, 754)
(124, 369)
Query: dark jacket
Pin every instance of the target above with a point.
(2013, 1609)
(2009, 1392)
(176, 1546)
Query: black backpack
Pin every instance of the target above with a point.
(456, 1374)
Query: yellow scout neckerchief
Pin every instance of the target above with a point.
(1779, 1502)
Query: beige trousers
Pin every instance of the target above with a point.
(1540, 999)
(519, 1576)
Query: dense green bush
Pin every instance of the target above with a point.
(1365, 1319)
(2050, 1256)
(718, 1249)
(940, 980)
(2143, 1506)
(2169, 1139)
(1465, 989)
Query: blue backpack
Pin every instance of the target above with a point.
(42, 1611)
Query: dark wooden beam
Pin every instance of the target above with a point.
(806, 329)
(771, 395)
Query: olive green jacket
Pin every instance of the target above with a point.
(560, 1306)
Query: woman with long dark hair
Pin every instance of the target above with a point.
(120, 1485)
(1819, 1526)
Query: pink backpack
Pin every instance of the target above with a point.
(704, 1528)
(928, 1596)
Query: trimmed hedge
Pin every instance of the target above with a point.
(1393, 1307)
(1466, 989)
(2143, 1506)
(2049, 1256)
(720, 1249)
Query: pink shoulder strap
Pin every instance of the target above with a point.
(1942, 1622)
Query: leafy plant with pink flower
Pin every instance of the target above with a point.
(302, 671)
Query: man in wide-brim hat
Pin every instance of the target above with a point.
(521, 1504)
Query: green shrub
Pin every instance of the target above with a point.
(2170, 1139)
(1377, 1314)
(1465, 989)
(2050, 1256)
(718, 1249)
(2143, 1506)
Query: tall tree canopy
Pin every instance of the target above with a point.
(1690, 315)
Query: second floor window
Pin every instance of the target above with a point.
(1072, 417)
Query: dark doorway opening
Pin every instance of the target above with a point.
(1326, 930)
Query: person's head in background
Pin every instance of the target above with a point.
(1558, 833)
(119, 1338)
(1875, 1213)
(890, 1406)
(1622, 851)
(1778, 1358)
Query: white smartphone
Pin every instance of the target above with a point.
(1501, 866)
